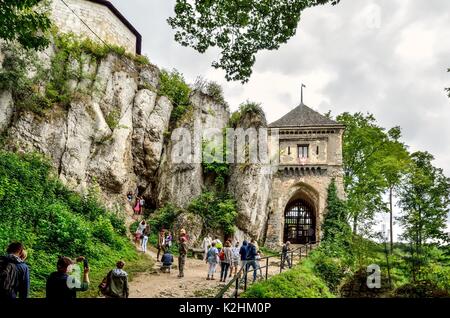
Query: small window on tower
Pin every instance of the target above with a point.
(317, 150)
(303, 151)
(289, 150)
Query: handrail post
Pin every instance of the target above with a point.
(281, 263)
(238, 278)
(267, 267)
(245, 278)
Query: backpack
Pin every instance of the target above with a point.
(222, 255)
(104, 287)
(8, 276)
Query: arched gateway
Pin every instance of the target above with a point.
(299, 222)
(310, 156)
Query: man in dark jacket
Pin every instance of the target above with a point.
(15, 268)
(243, 253)
(251, 258)
(62, 286)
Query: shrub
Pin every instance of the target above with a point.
(217, 211)
(331, 271)
(421, 289)
(217, 167)
(163, 218)
(247, 108)
(103, 230)
(173, 86)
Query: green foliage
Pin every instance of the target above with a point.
(163, 218)
(425, 200)
(113, 119)
(52, 220)
(300, 282)
(214, 163)
(421, 289)
(369, 153)
(217, 211)
(335, 228)
(37, 87)
(240, 29)
(247, 108)
(25, 21)
(330, 269)
(173, 86)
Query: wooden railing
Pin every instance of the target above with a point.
(240, 280)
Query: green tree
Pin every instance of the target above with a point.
(393, 166)
(335, 227)
(26, 22)
(364, 149)
(239, 28)
(425, 201)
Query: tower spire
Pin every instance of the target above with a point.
(301, 90)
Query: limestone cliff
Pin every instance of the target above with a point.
(115, 132)
(250, 183)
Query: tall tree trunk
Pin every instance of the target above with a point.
(391, 220)
(355, 223)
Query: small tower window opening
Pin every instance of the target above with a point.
(289, 150)
(317, 150)
(303, 151)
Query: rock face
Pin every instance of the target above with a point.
(117, 136)
(250, 183)
(113, 136)
(183, 180)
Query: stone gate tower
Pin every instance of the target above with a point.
(310, 156)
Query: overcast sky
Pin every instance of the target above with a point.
(386, 57)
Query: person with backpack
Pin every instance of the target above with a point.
(251, 259)
(206, 244)
(138, 235)
(61, 286)
(14, 273)
(226, 258)
(212, 261)
(117, 282)
(235, 259)
(219, 244)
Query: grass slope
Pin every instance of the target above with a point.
(39, 211)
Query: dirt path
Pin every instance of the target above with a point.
(155, 284)
(164, 285)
